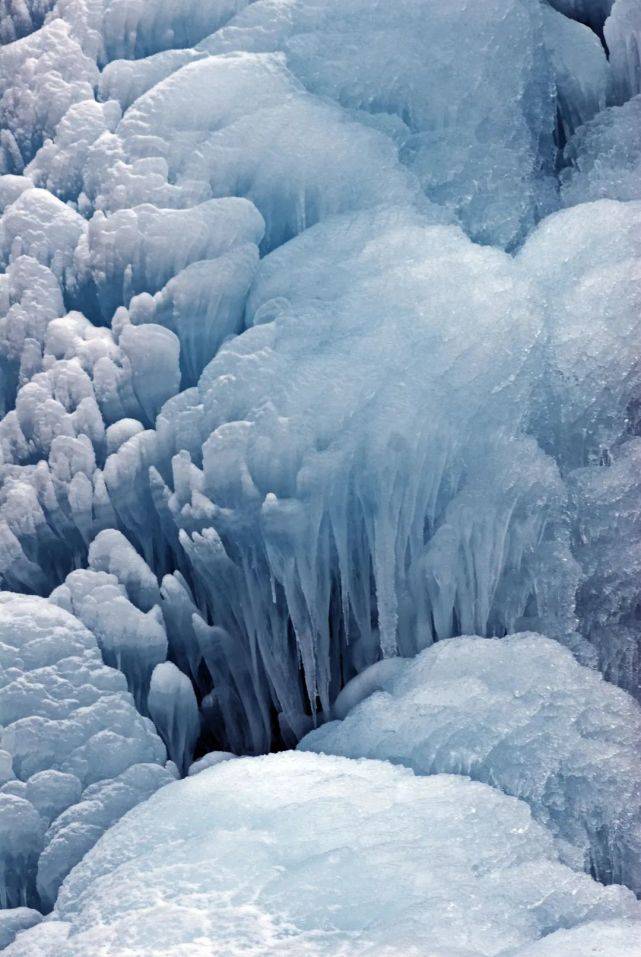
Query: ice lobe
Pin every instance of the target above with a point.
(130, 640)
(594, 374)
(59, 164)
(67, 723)
(15, 919)
(30, 298)
(111, 29)
(242, 124)
(41, 226)
(76, 830)
(41, 75)
(521, 714)
(131, 251)
(367, 859)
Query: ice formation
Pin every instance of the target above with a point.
(220, 860)
(70, 734)
(318, 350)
(521, 714)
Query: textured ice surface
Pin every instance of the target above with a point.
(14, 920)
(518, 713)
(496, 180)
(590, 297)
(68, 725)
(254, 479)
(597, 938)
(41, 76)
(304, 854)
(604, 157)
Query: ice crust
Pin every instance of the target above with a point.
(246, 856)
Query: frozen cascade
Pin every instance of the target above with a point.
(279, 413)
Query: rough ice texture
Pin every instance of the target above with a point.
(521, 714)
(400, 514)
(414, 437)
(386, 72)
(604, 157)
(71, 732)
(600, 938)
(364, 858)
(15, 919)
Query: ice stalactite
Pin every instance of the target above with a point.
(174, 710)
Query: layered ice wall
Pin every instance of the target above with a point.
(317, 350)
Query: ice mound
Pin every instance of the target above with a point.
(15, 919)
(590, 297)
(242, 124)
(482, 148)
(362, 857)
(111, 29)
(59, 164)
(71, 734)
(41, 76)
(520, 714)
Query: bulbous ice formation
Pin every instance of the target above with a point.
(518, 713)
(68, 725)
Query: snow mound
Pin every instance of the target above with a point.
(305, 854)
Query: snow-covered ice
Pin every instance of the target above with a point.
(521, 714)
(304, 854)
